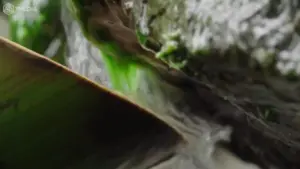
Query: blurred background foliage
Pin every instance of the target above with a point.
(48, 28)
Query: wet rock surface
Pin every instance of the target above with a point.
(267, 31)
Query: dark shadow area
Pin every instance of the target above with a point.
(123, 131)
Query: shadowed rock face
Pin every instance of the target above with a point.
(266, 30)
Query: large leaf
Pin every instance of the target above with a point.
(51, 118)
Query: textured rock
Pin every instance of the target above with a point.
(266, 30)
(82, 56)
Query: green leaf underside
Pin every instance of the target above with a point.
(51, 118)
